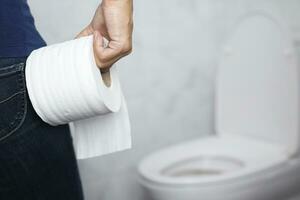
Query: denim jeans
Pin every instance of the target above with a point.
(37, 161)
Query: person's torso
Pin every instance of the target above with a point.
(18, 35)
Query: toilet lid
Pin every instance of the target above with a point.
(257, 83)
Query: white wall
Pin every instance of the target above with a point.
(168, 80)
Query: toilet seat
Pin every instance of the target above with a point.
(246, 156)
(257, 82)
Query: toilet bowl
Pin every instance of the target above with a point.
(253, 154)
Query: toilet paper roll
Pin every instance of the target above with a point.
(103, 134)
(65, 86)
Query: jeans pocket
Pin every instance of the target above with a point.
(12, 99)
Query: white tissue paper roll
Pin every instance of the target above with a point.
(65, 86)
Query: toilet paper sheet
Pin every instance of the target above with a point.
(65, 86)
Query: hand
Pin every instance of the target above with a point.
(112, 20)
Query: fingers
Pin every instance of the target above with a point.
(85, 32)
(106, 56)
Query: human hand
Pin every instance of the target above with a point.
(113, 21)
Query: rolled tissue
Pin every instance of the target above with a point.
(65, 86)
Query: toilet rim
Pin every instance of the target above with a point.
(150, 168)
(157, 178)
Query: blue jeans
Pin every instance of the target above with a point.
(37, 161)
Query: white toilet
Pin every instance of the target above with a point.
(254, 153)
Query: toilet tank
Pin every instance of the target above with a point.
(257, 84)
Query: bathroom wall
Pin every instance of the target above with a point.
(168, 80)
